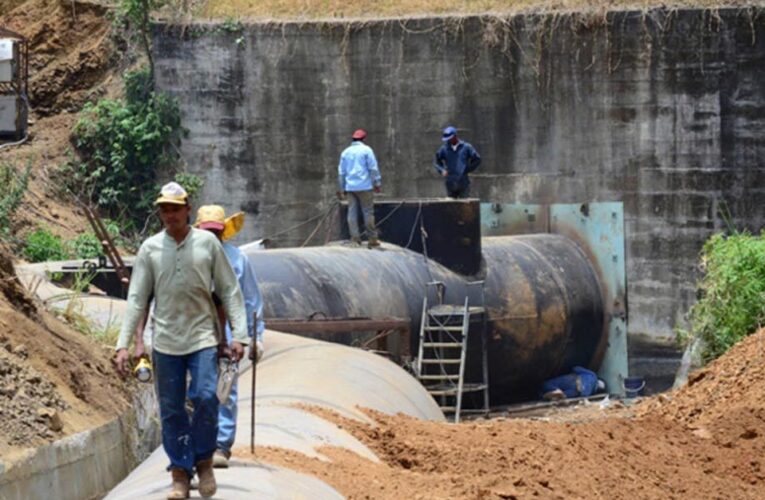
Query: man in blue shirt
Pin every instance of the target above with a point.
(213, 219)
(358, 178)
(580, 382)
(455, 159)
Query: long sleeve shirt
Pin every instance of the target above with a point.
(248, 283)
(358, 170)
(457, 162)
(181, 277)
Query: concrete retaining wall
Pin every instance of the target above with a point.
(664, 111)
(88, 464)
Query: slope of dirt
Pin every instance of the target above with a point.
(53, 380)
(706, 440)
(71, 62)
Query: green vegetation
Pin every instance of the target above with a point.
(72, 313)
(41, 245)
(121, 144)
(13, 185)
(732, 303)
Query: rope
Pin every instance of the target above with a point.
(414, 226)
(301, 224)
(321, 222)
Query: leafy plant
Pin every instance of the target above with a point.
(42, 245)
(138, 13)
(122, 143)
(732, 303)
(191, 183)
(85, 246)
(12, 188)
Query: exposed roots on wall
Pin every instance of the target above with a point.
(529, 39)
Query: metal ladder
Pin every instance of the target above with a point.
(442, 351)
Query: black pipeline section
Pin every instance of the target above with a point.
(544, 301)
(447, 231)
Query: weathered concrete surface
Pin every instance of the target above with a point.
(664, 111)
(87, 464)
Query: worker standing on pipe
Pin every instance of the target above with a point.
(213, 218)
(181, 266)
(359, 178)
(455, 159)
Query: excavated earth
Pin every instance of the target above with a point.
(72, 60)
(706, 440)
(54, 381)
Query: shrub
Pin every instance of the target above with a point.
(85, 246)
(42, 245)
(121, 144)
(732, 303)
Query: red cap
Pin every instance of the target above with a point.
(215, 226)
(360, 134)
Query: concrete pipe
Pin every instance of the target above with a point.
(296, 372)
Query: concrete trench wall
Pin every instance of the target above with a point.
(663, 110)
(88, 464)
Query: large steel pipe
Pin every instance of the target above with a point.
(544, 300)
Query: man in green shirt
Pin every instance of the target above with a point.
(180, 267)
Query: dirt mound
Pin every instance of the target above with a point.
(53, 380)
(726, 399)
(70, 51)
(29, 404)
(612, 458)
(705, 440)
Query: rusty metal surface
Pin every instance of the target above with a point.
(598, 229)
(381, 328)
(544, 303)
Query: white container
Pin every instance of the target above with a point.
(8, 62)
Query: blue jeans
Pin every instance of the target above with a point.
(365, 200)
(187, 442)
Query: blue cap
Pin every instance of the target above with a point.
(449, 132)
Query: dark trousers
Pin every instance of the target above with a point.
(457, 190)
(365, 200)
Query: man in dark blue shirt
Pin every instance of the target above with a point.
(455, 159)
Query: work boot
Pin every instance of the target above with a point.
(180, 484)
(355, 242)
(220, 459)
(373, 243)
(207, 486)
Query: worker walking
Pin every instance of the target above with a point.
(455, 159)
(180, 266)
(213, 218)
(359, 178)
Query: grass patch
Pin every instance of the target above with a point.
(337, 9)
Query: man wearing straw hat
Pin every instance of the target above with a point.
(181, 266)
(213, 218)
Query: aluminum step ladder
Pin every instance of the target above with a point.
(443, 346)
